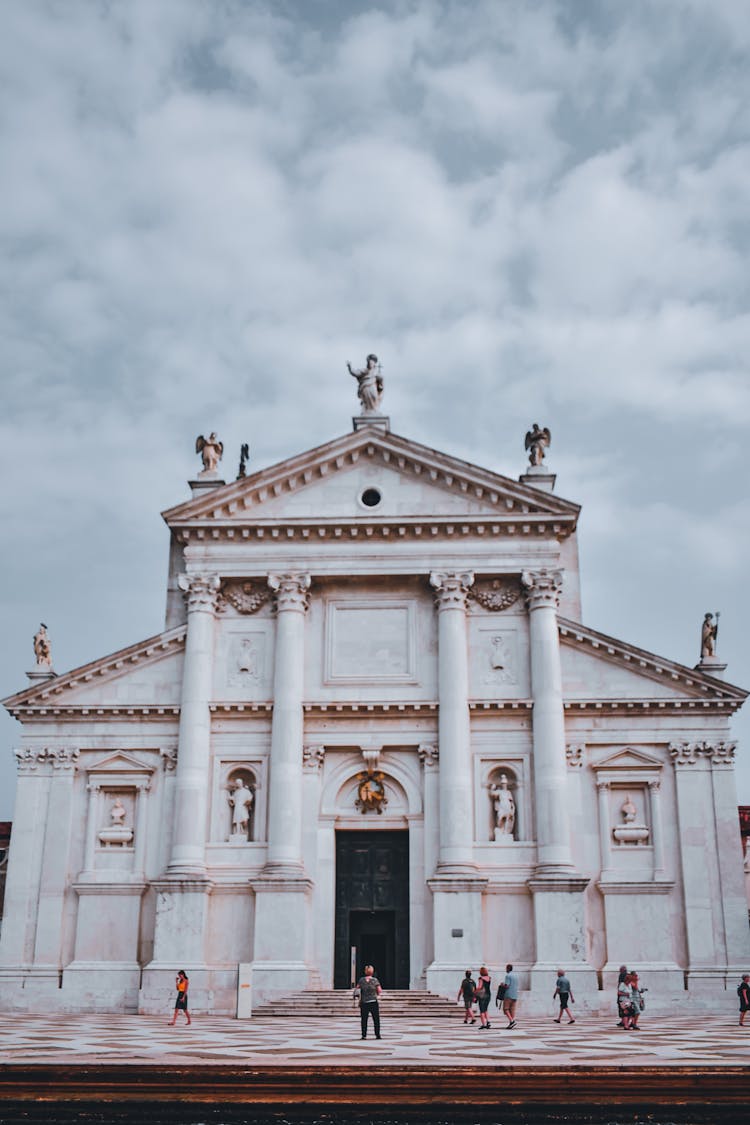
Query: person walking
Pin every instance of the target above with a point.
(637, 1002)
(367, 991)
(743, 991)
(620, 979)
(466, 993)
(624, 1001)
(483, 995)
(564, 992)
(181, 1003)
(510, 999)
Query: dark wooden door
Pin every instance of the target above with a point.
(372, 906)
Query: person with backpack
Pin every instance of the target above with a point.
(743, 991)
(466, 993)
(483, 995)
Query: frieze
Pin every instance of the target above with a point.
(245, 597)
(496, 594)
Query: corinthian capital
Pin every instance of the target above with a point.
(201, 591)
(291, 590)
(451, 588)
(542, 587)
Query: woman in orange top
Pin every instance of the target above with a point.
(181, 1003)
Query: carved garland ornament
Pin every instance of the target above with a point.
(496, 594)
(246, 597)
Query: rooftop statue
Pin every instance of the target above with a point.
(211, 451)
(369, 384)
(42, 648)
(709, 633)
(537, 441)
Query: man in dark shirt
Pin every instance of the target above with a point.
(367, 991)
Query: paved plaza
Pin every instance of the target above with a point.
(270, 1042)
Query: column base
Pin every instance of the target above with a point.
(181, 920)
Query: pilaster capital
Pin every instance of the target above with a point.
(542, 588)
(30, 758)
(169, 758)
(291, 590)
(64, 758)
(201, 591)
(718, 754)
(313, 757)
(574, 756)
(428, 756)
(654, 784)
(451, 588)
(602, 785)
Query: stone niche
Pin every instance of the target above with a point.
(504, 803)
(628, 783)
(117, 789)
(240, 796)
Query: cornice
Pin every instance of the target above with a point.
(658, 705)
(46, 694)
(236, 500)
(366, 528)
(700, 685)
(69, 712)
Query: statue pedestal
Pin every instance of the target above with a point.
(238, 838)
(503, 837)
(539, 476)
(39, 677)
(712, 666)
(117, 835)
(631, 834)
(204, 482)
(376, 421)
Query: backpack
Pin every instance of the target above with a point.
(467, 986)
(501, 990)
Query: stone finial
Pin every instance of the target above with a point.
(537, 441)
(211, 451)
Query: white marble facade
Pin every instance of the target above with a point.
(372, 605)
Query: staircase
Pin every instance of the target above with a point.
(338, 1003)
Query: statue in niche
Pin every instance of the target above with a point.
(118, 834)
(537, 441)
(42, 648)
(709, 633)
(369, 384)
(504, 807)
(211, 451)
(241, 803)
(629, 811)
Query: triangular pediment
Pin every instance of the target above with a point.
(411, 480)
(120, 762)
(145, 675)
(596, 666)
(629, 758)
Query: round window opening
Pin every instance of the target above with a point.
(371, 497)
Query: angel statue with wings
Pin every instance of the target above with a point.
(211, 451)
(536, 442)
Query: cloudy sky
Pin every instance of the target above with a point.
(531, 211)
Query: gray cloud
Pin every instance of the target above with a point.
(531, 212)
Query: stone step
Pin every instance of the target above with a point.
(329, 1002)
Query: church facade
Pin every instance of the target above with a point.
(374, 728)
